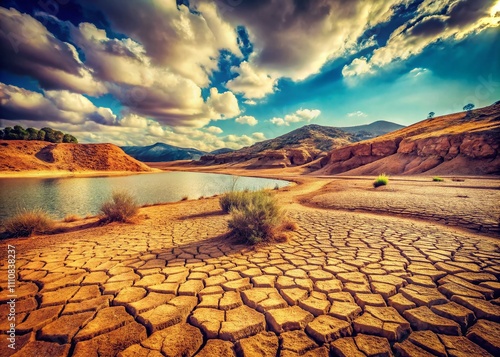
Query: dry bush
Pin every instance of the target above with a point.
(28, 222)
(256, 217)
(71, 218)
(121, 208)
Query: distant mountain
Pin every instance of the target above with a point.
(162, 152)
(297, 147)
(368, 131)
(221, 151)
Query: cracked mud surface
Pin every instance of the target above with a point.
(346, 284)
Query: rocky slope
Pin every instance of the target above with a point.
(19, 156)
(299, 147)
(462, 143)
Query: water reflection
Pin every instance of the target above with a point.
(82, 196)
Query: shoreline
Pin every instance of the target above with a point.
(71, 174)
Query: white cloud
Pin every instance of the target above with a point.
(57, 106)
(359, 66)
(133, 120)
(296, 39)
(251, 82)
(358, 114)
(278, 121)
(215, 130)
(222, 105)
(461, 19)
(247, 119)
(28, 48)
(259, 136)
(301, 115)
(187, 43)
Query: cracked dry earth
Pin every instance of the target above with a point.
(345, 285)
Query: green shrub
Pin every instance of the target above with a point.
(236, 199)
(28, 222)
(257, 217)
(438, 179)
(121, 208)
(381, 180)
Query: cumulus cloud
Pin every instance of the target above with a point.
(259, 136)
(222, 105)
(57, 106)
(301, 115)
(186, 42)
(28, 48)
(296, 38)
(247, 119)
(251, 82)
(441, 20)
(215, 130)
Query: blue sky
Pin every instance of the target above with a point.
(228, 73)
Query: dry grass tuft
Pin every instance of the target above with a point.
(121, 208)
(256, 217)
(71, 218)
(28, 222)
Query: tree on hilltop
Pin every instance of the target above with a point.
(469, 107)
(44, 134)
(431, 115)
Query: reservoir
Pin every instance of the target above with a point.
(84, 195)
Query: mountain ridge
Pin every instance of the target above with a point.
(465, 143)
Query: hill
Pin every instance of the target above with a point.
(368, 131)
(17, 156)
(297, 147)
(465, 143)
(162, 152)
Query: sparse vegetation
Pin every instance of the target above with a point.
(184, 198)
(44, 134)
(121, 208)
(71, 218)
(468, 108)
(381, 180)
(437, 179)
(233, 199)
(255, 217)
(28, 222)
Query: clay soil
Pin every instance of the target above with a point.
(410, 269)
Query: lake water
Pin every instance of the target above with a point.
(84, 195)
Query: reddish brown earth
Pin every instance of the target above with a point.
(461, 143)
(19, 157)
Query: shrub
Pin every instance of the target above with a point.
(381, 180)
(256, 217)
(438, 179)
(121, 208)
(235, 199)
(71, 218)
(184, 198)
(28, 222)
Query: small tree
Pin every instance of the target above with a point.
(431, 115)
(469, 107)
(32, 134)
